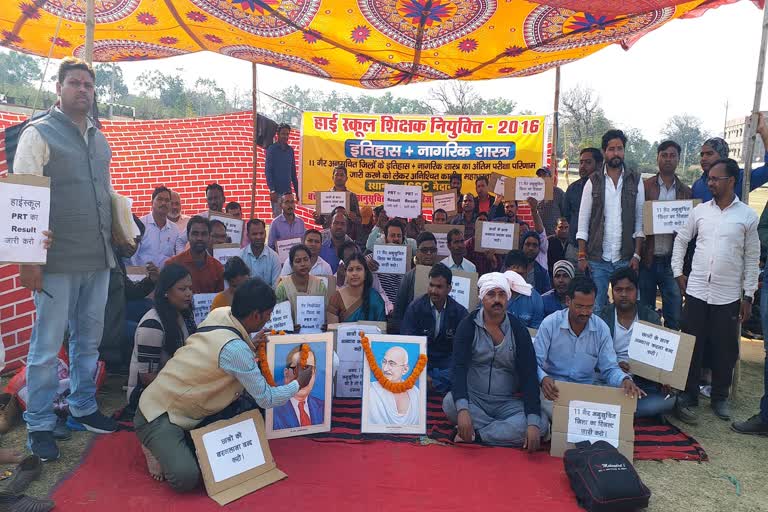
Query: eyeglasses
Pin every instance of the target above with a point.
(386, 363)
(717, 178)
(311, 367)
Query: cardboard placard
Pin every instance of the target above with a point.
(310, 311)
(235, 226)
(247, 465)
(402, 201)
(498, 183)
(445, 201)
(284, 247)
(222, 252)
(135, 274)
(326, 202)
(281, 318)
(285, 420)
(330, 284)
(25, 215)
(583, 412)
(441, 235)
(521, 188)
(392, 258)
(349, 376)
(667, 217)
(463, 287)
(496, 237)
(661, 355)
(201, 304)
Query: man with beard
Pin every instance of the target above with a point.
(590, 159)
(558, 243)
(656, 266)
(206, 271)
(494, 396)
(536, 274)
(620, 318)
(280, 169)
(263, 262)
(466, 216)
(610, 232)
(329, 250)
(484, 201)
(716, 148)
(387, 408)
(214, 199)
(510, 216)
(161, 237)
(175, 215)
(426, 254)
(313, 239)
(550, 209)
(340, 178)
(287, 224)
(457, 260)
(218, 235)
(571, 344)
(555, 299)
(455, 183)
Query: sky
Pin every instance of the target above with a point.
(687, 66)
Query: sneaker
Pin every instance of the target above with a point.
(43, 445)
(97, 423)
(754, 426)
(686, 414)
(61, 432)
(722, 409)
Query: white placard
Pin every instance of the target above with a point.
(284, 247)
(349, 377)
(392, 259)
(233, 450)
(654, 347)
(331, 200)
(222, 252)
(530, 187)
(590, 421)
(500, 184)
(24, 213)
(442, 244)
(460, 290)
(310, 311)
(202, 305)
(498, 235)
(281, 319)
(444, 201)
(670, 216)
(402, 201)
(235, 227)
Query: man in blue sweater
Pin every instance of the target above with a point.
(494, 396)
(280, 169)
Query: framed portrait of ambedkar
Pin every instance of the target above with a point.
(394, 384)
(309, 410)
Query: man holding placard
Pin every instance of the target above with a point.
(340, 185)
(719, 291)
(313, 239)
(261, 260)
(426, 254)
(287, 224)
(610, 232)
(485, 202)
(550, 209)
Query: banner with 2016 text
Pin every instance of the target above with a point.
(416, 150)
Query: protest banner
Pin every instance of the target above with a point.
(498, 184)
(349, 376)
(281, 318)
(284, 247)
(27, 205)
(445, 201)
(326, 202)
(135, 274)
(521, 188)
(234, 457)
(392, 259)
(402, 201)
(496, 237)
(667, 217)
(583, 412)
(310, 311)
(660, 354)
(201, 305)
(416, 150)
(222, 252)
(441, 236)
(235, 226)
(463, 287)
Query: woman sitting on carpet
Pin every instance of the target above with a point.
(299, 280)
(236, 272)
(161, 331)
(357, 300)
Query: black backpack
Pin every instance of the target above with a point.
(603, 479)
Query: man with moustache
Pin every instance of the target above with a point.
(610, 232)
(313, 239)
(555, 299)
(262, 261)
(494, 396)
(589, 160)
(175, 215)
(161, 238)
(287, 224)
(206, 271)
(303, 409)
(387, 408)
(457, 260)
(426, 254)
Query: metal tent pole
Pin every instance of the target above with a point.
(255, 96)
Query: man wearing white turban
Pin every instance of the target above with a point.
(494, 364)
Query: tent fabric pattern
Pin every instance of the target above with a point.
(365, 43)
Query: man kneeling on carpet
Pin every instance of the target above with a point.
(205, 376)
(495, 394)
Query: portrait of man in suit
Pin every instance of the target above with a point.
(303, 409)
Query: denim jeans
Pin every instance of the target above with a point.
(660, 274)
(654, 403)
(764, 319)
(601, 275)
(78, 302)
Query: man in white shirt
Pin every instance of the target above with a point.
(162, 238)
(175, 215)
(313, 239)
(610, 234)
(719, 291)
(457, 261)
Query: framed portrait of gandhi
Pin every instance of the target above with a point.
(395, 390)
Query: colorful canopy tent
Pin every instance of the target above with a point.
(365, 43)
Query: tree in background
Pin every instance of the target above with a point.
(582, 121)
(461, 98)
(19, 69)
(110, 84)
(639, 154)
(686, 130)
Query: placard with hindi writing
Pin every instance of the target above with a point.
(26, 203)
(402, 201)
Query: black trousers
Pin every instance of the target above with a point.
(717, 332)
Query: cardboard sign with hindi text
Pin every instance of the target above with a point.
(349, 376)
(235, 226)
(521, 188)
(463, 287)
(444, 201)
(284, 247)
(402, 201)
(496, 237)
(584, 412)
(667, 217)
(326, 202)
(441, 236)
(392, 258)
(310, 311)
(201, 303)
(234, 457)
(26, 201)
(222, 252)
(661, 355)
(281, 319)
(498, 183)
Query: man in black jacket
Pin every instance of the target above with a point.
(495, 391)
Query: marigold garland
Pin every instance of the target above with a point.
(393, 387)
(264, 364)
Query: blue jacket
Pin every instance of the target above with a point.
(758, 178)
(419, 321)
(529, 310)
(285, 416)
(551, 303)
(280, 169)
(541, 280)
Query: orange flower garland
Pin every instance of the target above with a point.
(264, 364)
(393, 387)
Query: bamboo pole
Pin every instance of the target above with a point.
(90, 28)
(255, 99)
(556, 121)
(750, 142)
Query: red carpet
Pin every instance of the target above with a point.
(376, 476)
